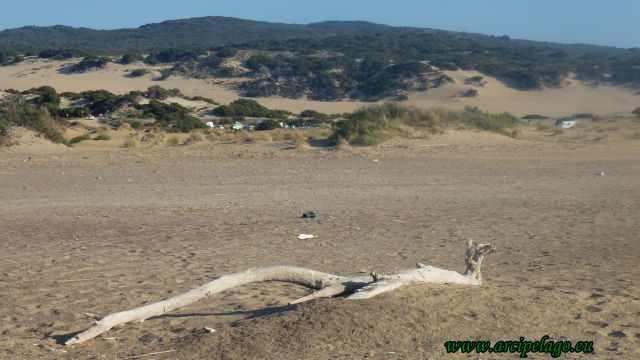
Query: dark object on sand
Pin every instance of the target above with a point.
(309, 215)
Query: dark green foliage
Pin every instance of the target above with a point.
(10, 58)
(636, 112)
(268, 124)
(139, 72)
(173, 117)
(74, 112)
(130, 58)
(211, 62)
(4, 128)
(103, 102)
(78, 139)
(468, 93)
(522, 64)
(226, 52)
(102, 137)
(475, 80)
(173, 55)
(136, 124)
(313, 114)
(248, 107)
(46, 96)
(534, 117)
(89, 63)
(59, 54)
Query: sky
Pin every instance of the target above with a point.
(600, 22)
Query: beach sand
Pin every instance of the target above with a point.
(99, 228)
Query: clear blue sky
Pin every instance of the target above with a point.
(614, 22)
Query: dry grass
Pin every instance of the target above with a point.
(196, 136)
(173, 140)
(131, 142)
(125, 126)
(153, 138)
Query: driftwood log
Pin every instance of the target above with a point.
(325, 284)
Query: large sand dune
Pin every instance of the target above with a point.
(573, 97)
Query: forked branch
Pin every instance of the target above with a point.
(325, 284)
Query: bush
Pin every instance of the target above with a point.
(226, 52)
(248, 107)
(468, 93)
(89, 63)
(173, 117)
(78, 139)
(475, 80)
(534, 117)
(139, 72)
(46, 95)
(268, 124)
(130, 58)
(102, 137)
(636, 112)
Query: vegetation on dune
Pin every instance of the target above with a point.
(250, 108)
(16, 111)
(89, 63)
(139, 72)
(102, 137)
(375, 124)
(10, 58)
(330, 60)
(78, 139)
(636, 112)
(174, 117)
(130, 58)
(268, 124)
(468, 93)
(534, 117)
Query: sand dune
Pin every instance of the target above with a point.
(573, 97)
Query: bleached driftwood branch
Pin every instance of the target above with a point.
(327, 285)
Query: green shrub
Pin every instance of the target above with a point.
(248, 107)
(139, 72)
(468, 93)
(136, 124)
(173, 117)
(130, 58)
(89, 63)
(78, 139)
(102, 137)
(534, 117)
(268, 124)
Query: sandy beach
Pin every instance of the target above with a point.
(98, 228)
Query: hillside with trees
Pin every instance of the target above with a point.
(329, 60)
